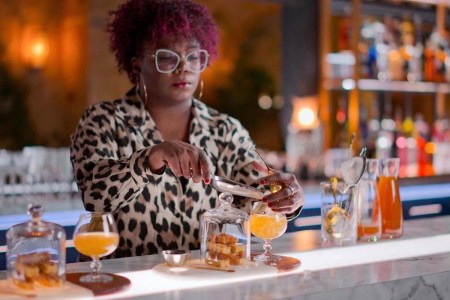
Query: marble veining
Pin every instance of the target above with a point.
(417, 277)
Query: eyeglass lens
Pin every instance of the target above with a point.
(167, 61)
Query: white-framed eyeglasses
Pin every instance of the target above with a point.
(167, 61)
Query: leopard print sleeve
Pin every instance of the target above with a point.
(107, 178)
(237, 157)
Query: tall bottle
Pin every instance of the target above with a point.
(429, 65)
(391, 205)
(369, 210)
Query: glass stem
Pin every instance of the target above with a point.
(267, 248)
(96, 265)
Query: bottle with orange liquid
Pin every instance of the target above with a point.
(390, 203)
(369, 212)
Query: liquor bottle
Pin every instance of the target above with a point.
(407, 47)
(385, 139)
(396, 62)
(441, 56)
(422, 135)
(382, 50)
(447, 67)
(367, 49)
(415, 71)
(429, 65)
(410, 163)
(344, 35)
(395, 59)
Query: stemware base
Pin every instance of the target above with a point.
(268, 258)
(96, 278)
(281, 262)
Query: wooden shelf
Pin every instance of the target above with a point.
(426, 9)
(386, 86)
(430, 12)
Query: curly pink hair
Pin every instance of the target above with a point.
(136, 22)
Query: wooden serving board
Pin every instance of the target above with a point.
(118, 283)
(67, 291)
(284, 264)
(195, 269)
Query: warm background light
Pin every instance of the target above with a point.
(39, 52)
(305, 116)
(35, 47)
(265, 102)
(60, 50)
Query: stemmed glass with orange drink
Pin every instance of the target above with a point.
(267, 225)
(96, 236)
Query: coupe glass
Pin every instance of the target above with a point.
(95, 235)
(267, 225)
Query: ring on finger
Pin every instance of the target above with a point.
(292, 191)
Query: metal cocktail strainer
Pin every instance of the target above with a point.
(352, 172)
(224, 185)
(353, 169)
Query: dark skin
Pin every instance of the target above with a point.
(289, 198)
(168, 97)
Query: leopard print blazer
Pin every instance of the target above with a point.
(109, 154)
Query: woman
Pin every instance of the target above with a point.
(148, 157)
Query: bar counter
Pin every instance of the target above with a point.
(415, 266)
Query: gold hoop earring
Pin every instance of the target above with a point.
(200, 94)
(144, 87)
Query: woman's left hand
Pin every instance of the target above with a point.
(287, 200)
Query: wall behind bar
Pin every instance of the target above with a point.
(300, 53)
(79, 69)
(54, 91)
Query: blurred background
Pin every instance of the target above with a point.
(55, 61)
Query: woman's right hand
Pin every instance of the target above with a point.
(182, 158)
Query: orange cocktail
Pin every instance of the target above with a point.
(96, 235)
(391, 207)
(367, 230)
(96, 244)
(268, 227)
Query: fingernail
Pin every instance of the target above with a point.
(270, 205)
(206, 180)
(262, 181)
(265, 200)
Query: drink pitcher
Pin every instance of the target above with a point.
(391, 205)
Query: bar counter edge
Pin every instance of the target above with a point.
(422, 277)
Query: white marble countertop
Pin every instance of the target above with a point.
(416, 266)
